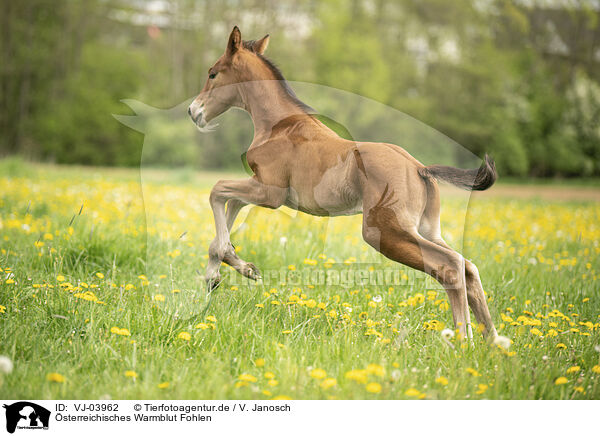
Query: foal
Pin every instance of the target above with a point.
(299, 162)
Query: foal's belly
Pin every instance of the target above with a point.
(334, 192)
(313, 208)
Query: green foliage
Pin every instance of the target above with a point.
(514, 79)
(80, 127)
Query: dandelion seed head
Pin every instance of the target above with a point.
(6, 365)
(502, 341)
(447, 334)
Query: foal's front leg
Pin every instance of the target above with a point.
(238, 193)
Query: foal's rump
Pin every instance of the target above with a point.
(390, 181)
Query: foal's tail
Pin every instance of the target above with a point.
(478, 179)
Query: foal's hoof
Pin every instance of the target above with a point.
(251, 271)
(213, 283)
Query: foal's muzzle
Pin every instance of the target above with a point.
(196, 113)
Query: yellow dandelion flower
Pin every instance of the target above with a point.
(122, 332)
(260, 362)
(131, 374)
(561, 381)
(159, 297)
(358, 375)
(211, 318)
(55, 377)
(596, 369)
(373, 388)
(202, 325)
(163, 385)
(328, 383)
(60, 278)
(473, 372)
(247, 378)
(273, 383)
(441, 380)
(561, 346)
(282, 398)
(185, 336)
(573, 369)
(310, 303)
(481, 388)
(318, 373)
(412, 392)
(269, 375)
(374, 369)
(99, 275)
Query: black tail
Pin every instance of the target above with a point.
(477, 179)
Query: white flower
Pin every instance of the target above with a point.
(396, 374)
(597, 348)
(282, 240)
(502, 342)
(6, 365)
(447, 334)
(377, 298)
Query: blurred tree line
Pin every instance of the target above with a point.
(517, 79)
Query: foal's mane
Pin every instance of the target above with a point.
(279, 77)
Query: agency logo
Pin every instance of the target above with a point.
(26, 415)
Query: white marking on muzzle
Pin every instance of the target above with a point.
(196, 112)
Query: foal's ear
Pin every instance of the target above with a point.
(261, 45)
(235, 41)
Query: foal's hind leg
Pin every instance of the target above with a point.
(476, 296)
(446, 266)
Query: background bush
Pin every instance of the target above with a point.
(519, 80)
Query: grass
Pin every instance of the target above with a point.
(110, 303)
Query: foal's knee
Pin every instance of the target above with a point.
(216, 193)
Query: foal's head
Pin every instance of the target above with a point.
(240, 63)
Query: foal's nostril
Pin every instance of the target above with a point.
(190, 111)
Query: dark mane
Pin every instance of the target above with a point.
(279, 77)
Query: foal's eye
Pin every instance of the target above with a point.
(212, 75)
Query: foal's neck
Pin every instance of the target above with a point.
(268, 104)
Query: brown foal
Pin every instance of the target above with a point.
(299, 162)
